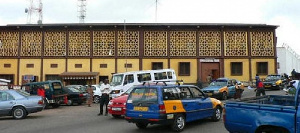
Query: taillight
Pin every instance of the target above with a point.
(162, 109)
(41, 102)
(80, 95)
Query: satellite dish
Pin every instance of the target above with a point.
(26, 10)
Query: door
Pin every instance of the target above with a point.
(209, 68)
(189, 104)
(6, 103)
(231, 87)
(203, 105)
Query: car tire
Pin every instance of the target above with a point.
(178, 123)
(217, 114)
(55, 105)
(96, 99)
(224, 95)
(19, 113)
(141, 125)
(70, 102)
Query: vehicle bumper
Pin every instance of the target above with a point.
(116, 110)
(35, 109)
(161, 120)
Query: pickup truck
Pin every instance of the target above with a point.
(265, 114)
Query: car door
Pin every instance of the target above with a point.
(203, 104)
(6, 103)
(231, 87)
(189, 103)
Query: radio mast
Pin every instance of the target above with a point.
(35, 10)
(81, 10)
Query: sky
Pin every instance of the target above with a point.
(282, 13)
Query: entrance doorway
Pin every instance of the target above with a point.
(210, 68)
(78, 82)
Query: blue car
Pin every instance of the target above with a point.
(19, 104)
(222, 88)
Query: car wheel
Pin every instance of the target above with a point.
(19, 113)
(224, 96)
(141, 125)
(217, 114)
(55, 105)
(178, 123)
(70, 102)
(96, 99)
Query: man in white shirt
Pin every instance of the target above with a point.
(105, 89)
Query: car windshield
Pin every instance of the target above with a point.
(143, 95)
(273, 77)
(218, 83)
(23, 93)
(117, 80)
(129, 90)
(57, 85)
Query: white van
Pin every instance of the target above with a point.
(121, 82)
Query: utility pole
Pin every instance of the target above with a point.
(81, 10)
(35, 9)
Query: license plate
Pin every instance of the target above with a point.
(268, 86)
(209, 94)
(116, 109)
(140, 108)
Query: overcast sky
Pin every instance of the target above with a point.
(283, 13)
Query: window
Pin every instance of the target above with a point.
(157, 65)
(8, 77)
(78, 65)
(196, 93)
(185, 93)
(128, 65)
(29, 65)
(171, 94)
(262, 68)
(7, 65)
(236, 68)
(103, 65)
(128, 79)
(53, 65)
(278, 65)
(184, 69)
(161, 75)
(170, 75)
(144, 77)
(5, 96)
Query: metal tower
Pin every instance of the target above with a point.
(34, 11)
(81, 10)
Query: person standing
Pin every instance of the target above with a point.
(105, 89)
(208, 79)
(238, 91)
(90, 95)
(256, 80)
(260, 89)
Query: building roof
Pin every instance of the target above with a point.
(142, 25)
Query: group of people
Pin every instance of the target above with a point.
(105, 90)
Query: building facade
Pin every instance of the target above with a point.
(287, 60)
(89, 53)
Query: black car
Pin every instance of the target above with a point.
(74, 96)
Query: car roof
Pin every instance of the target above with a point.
(164, 86)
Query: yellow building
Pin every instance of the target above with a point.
(89, 53)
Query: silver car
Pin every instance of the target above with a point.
(19, 104)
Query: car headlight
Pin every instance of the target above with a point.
(216, 92)
(124, 104)
(110, 102)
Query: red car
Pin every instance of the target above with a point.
(117, 106)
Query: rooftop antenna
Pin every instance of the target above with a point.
(155, 11)
(35, 9)
(81, 10)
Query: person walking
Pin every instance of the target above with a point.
(105, 89)
(260, 89)
(90, 95)
(256, 80)
(238, 91)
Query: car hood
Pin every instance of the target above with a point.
(120, 99)
(212, 88)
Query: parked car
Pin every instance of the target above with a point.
(171, 105)
(222, 88)
(74, 96)
(78, 87)
(117, 106)
(54, 95)
(274, 82)
(19, 104)
(97, 93)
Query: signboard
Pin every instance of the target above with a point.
(209, 60)
(28, 77)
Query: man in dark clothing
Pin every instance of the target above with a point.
(105, 89)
